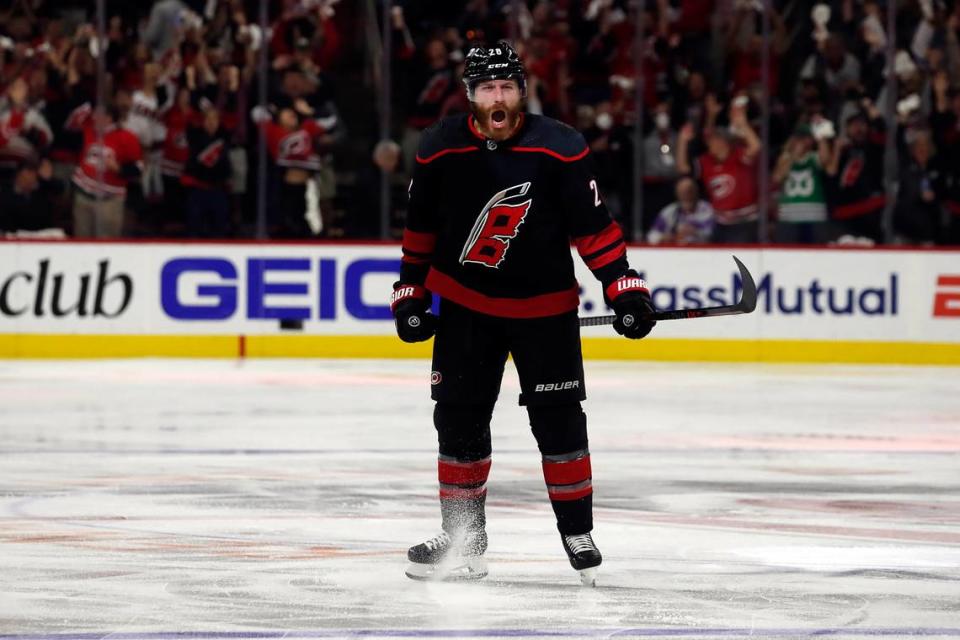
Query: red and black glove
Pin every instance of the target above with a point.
(410, 305)
(629, 298)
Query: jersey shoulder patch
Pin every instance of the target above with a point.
(553, 138)
(444, 137)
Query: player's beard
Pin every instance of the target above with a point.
(499, 121)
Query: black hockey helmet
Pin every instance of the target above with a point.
(499, 62)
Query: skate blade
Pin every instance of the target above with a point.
(588, 577)
(468, 569)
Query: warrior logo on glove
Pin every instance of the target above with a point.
(410, 305)
(497, 224)
(630, 299)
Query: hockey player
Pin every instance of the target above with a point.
(495, 200)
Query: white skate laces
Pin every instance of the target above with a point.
(584, 556)
(580, 543)
(447, 557)
(438, 541)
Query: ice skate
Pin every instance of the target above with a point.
(584, 556)
(449, 558)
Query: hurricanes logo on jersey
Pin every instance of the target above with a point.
(211, 155)
(78, 116)
(722, 185)
(294, 144)
(496, 225)
(99, 156)
(851, 172)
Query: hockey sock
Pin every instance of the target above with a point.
(561, 433)
(463, 493)
(463, 433)
(569, 485)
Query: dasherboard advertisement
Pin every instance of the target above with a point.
(331, 289)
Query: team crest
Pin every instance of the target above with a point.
(497, 224)
(296, 143)
(722, 185)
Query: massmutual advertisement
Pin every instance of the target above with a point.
(333, 298)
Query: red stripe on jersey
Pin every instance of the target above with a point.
(590, 244)
(562, 494)
(567, 472)
(443, 153)
(414, 259)
(455, 472)
(859, 208)
(462, 494)
(604, 259)
(189, 181)
(547, 304)
(552, 153)
(419, 242)
(600, 249)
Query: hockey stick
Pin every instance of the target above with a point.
(748, 302)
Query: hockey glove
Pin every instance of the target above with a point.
(410, 305)
(629, 298)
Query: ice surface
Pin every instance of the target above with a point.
(275, 499)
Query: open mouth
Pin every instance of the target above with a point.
(498, 116)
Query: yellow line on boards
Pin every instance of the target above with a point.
(312, 346)
(116, 346)
(813, 351)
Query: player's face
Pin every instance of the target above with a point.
(496, 106)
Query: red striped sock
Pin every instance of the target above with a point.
(462, 479)
(568, 476)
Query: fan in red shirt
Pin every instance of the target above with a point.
(291, 142)
(106, 165)
(729, 175)
(176, 151)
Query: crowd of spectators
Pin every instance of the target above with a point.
(702, 103)
(151, 130)
(173, 149)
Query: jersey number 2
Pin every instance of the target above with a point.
(596, 193)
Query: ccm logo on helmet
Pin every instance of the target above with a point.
(558, 386)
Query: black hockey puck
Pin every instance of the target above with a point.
(291, 324)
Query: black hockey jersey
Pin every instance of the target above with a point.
(490, 223)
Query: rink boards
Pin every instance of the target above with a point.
(109, 299)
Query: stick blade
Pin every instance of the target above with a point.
(748, 301)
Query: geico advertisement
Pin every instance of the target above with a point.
(343, 289)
